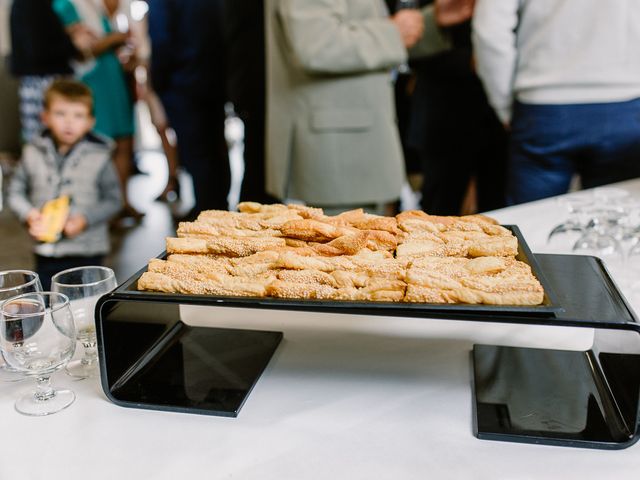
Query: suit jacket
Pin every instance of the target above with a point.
(331, 128)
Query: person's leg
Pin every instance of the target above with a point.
(31, 94)
(202, 148)
(253, 183)
(446, 178)
(541, 153)
(491, 167)
(122, 158)
(168, 139)
(614, 132)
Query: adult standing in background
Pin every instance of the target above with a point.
(332, 139)
(244, 35)
(458, 136)
(104, 75)
(41, 51)
(565, 75)
(187, 72)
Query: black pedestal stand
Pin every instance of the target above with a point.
(150, 359)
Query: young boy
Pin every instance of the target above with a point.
(67, 161)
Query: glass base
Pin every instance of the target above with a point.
(7, 375)
(80, 369)
(30, 405)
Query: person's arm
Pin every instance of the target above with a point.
(434, 40)
(324, 40)
(494, 42)
(17, 193)
(110, 201)
(437, 17)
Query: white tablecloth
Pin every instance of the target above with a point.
(345, 397)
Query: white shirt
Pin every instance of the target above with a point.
(557, 51)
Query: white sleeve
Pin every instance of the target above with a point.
(494, 43)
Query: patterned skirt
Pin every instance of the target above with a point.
(31, 93)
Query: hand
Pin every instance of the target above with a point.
(35, 224)
(410, 24)
(117, 39)
(82, 37)
(453, 12)
(75, 225)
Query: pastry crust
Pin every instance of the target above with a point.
(297, 252)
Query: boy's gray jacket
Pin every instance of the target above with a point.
(86, 174)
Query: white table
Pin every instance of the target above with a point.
(348, 397)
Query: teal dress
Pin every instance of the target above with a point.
(113, 107)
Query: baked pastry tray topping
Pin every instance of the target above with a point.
(297, 252)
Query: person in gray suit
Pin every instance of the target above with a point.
(332, 139)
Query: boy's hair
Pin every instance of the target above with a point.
(70, 90)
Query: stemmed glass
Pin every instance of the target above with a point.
(37, 337)
(567, 232)
(12, 284)
(84, 286)
(597, 239)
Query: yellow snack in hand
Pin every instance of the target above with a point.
(54, 215)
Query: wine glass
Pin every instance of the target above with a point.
(37, 337)
(84, 286)
(596, 239)
(12, 284)
(565, 234)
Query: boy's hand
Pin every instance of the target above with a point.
(35, 223)
(75, 225)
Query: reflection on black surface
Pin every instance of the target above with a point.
(555, 394)
(160, 362)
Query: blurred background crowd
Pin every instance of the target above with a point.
(452, 106)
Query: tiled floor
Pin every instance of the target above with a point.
(132, 245)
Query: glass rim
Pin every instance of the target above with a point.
(35, 278)
(53, 309)
(78, 285)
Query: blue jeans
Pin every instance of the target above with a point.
(550, 143)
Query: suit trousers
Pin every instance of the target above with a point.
(551, 143)
(202, 148)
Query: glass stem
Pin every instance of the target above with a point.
(44, 390)
(90, 353)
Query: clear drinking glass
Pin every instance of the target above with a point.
(84, 286)
(596, 239)
(37, 337)
(12, 284)
(564, 235)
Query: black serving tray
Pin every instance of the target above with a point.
(549, 308)
(150, 359)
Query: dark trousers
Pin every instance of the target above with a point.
(253, 182)
(448, 167)
(202, 148)
(457, 135)
(47, 267)
(551, 143)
